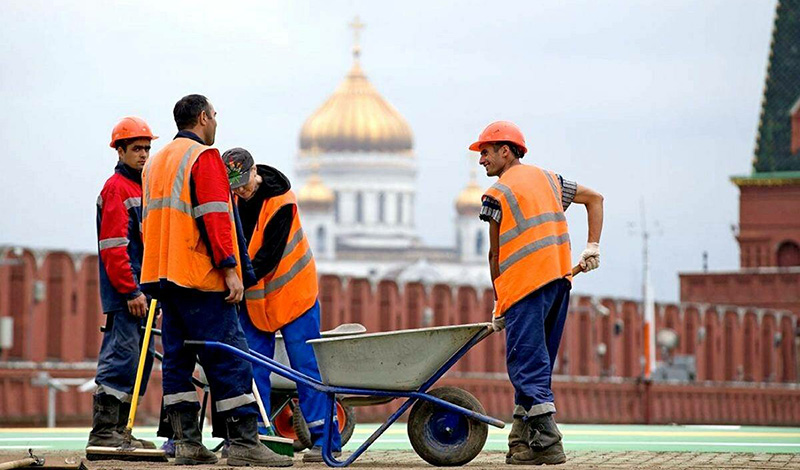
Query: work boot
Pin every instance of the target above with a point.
(122, 423)
(544, 442)
(314, 455)
(246, 450)
(189, 448)
(516, 438)
(105, 414)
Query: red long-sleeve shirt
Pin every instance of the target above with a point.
(209, 186)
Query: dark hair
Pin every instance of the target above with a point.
(188, 109)
(124, 143)
(515, 149)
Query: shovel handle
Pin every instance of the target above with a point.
(577, 270)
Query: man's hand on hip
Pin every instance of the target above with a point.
(138, 306)
(590, 258)
(235, 286)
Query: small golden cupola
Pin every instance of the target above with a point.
(315, 194)
(356, 118)
(469, 199)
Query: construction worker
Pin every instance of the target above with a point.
(192, 264)
(285, 297)
(531, 270)
(119, 214)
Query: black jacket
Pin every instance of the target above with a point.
(276, 234)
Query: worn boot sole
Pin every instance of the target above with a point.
(191, 461)
(515, 450)
(240, 462)
(537, 458)
(317, 458)
(198, 455)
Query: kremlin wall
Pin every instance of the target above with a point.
(746, 358)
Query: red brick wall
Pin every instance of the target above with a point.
(767, 219)
(772, 288)
(53, 299)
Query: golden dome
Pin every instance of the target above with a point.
(356, 118)
(315, 193)
(469, 199)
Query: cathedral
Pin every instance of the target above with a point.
(357, 173)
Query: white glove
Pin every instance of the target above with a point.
(590, 258)
(498, 323)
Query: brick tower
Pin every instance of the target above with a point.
(769, 198)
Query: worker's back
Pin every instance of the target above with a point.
(174, 250)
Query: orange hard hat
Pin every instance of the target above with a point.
(131, 127)
(501, 131)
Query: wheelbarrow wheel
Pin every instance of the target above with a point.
(344, 414)
(446, 438)
(284, 424)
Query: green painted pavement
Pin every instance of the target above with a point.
(576, 438)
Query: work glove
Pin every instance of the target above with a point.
(498, 323)
(590, 258)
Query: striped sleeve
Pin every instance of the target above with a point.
(210, 207)
(568, 191)
(113, 239)
(490, 210)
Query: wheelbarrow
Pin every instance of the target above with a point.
(287, 418)
(447, 426)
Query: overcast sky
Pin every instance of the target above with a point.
(640, 100)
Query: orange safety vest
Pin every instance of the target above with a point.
(291, 288)
(173, 248)
(534, 238)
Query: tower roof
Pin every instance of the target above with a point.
(356, 118)
(781, 92)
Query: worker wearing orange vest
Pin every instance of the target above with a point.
(285, 296)
(531, 270)
(194, 265)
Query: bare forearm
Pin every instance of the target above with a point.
(594, 211)
(494, 267)
(594, 214)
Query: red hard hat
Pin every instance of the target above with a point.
(501, 131)
(131, 127)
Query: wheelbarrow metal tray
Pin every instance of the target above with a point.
(397, 360)
(280, 383)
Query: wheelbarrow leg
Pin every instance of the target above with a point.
(327, 451)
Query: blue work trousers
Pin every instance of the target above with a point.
(195, 315)
(534, 326)
(302, 359)
(119, 356)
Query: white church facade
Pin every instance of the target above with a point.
(357, 173)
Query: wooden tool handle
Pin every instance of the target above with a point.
(577, 270)
(21, 463)
(140, 370)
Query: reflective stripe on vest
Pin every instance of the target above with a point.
(534, 239)
(291, 288)
(173, 248)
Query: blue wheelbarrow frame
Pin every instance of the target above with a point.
(331, 392)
